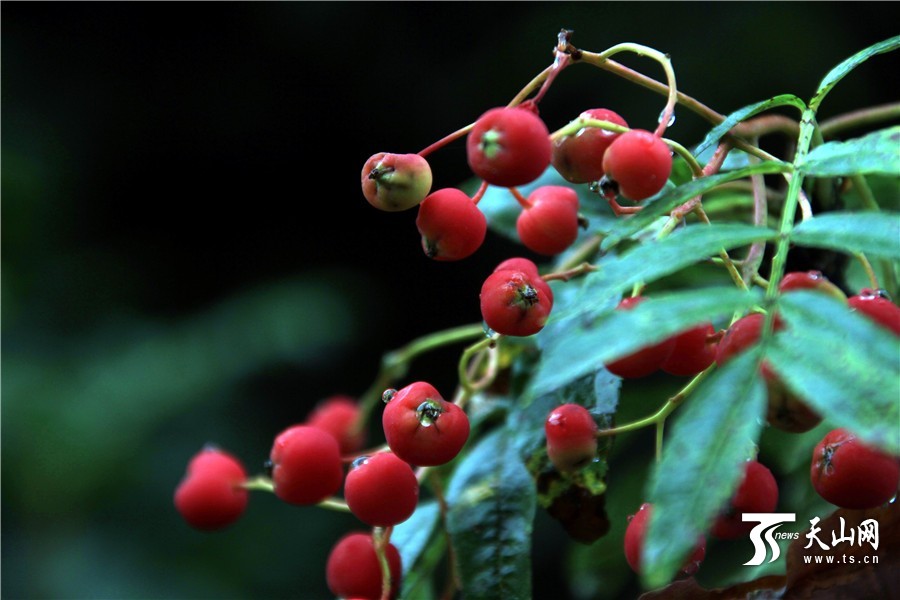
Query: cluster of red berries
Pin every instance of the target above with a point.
(306, 467)
(510, 147)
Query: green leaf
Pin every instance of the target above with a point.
(712, 138)
(838, 73)
(843, 364)
(702, 464)
(664, 204)
(653, 260)
(491, 500)
(876, 233)
(597, 338)
(414, 540)
(877, 152)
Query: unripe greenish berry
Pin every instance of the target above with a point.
(395, 182)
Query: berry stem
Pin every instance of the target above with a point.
(522, 200)
(463, 369)
(480, 193)
(867, 267)
(860, 118)
(381, 537)
(395, 364)
(567, 274)
(260, 483)
(446, 140)
(666, 63)
(580, 123)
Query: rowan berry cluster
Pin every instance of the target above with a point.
(509, 147)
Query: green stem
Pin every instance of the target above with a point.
(381, 538)
(860, 118)
(260, 483)
(395, 364)
(463, 367)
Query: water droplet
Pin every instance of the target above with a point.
(671, 118)
(428, 413)
(388, 395)
(359, 461)
(267, 468)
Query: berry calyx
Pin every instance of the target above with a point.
(451, 225)
(395, 182)
(306, 465)
(579, 157)
(338, 416)
(810, 280)
(645, 361)
(508, 147)
(211, 496)
(422, 428)
(571, 437)
(876, 305)
(549, 224)
(756, 493)
(639, 163)
(381, 490)
(850, 474)
(634, 542)
(353, 569)
(692, 351)
(515, 302)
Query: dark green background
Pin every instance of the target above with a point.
(186, 255)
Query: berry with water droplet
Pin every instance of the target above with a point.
(381, 490)
(876, 305)
(422, 428)
(515, 302)
(810, 280)
(851, 474)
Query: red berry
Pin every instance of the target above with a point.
(550, 224)
(810, 280)
(850, 474)
(518, 264)
(757, 493)
(210, 495)
(451, 225)
(381, 490)
(639, 162)
(306, 465)
(338, 416)
(515, 302)
(692, 351)
(877, 306)
(394, 182)
(785, 411)
(571, 437)
(353, 569)
(579, 157)
(634, 542)
(421, 427)
(644, 361)
(508, 147)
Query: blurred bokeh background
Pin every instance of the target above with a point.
(187, 257)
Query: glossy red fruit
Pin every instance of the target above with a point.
(306, 465)
(518, 264)
(211, 496)
(381, 490)
(508, 147)
(338, 416)
(810, 280)
(692, 351)
(634, 542)
(353, 569)
(639, 162)
(571, 437)
(850, 474)
(394, 182)
(756, 493)
(515, 302)
(549, 224)
(644, 361)
(579, 157)
(451, 225)
(421, 427)
(877, 306)
(785, 410)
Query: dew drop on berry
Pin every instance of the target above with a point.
(428, 413)
(359, 461)
(388, 395)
